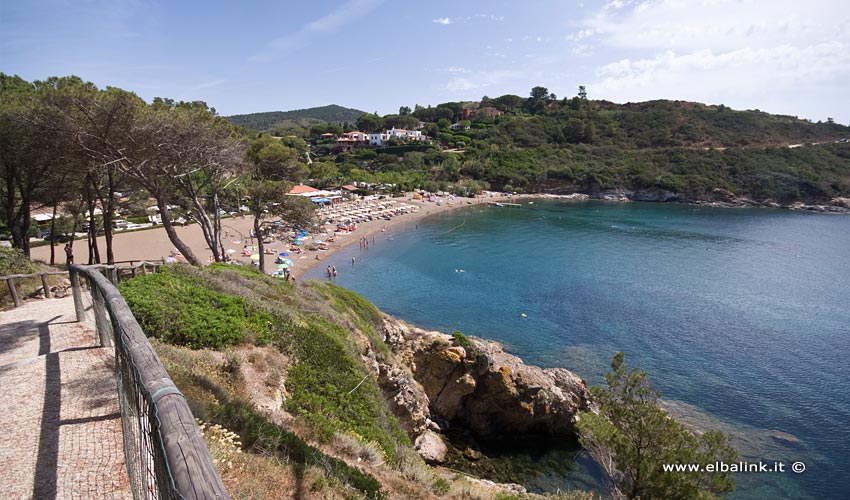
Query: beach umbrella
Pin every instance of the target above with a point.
(283, 254)
(255, 256)
(283, 266)
(288, 262)
(298, 242)
(231, 251)
(318, 242)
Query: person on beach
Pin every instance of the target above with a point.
(333, 269)
(329, 271)
(69, 254)
(352, 260)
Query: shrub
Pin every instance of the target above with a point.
(265, 437)
(14, 261)
(183, 311)
(460, 339)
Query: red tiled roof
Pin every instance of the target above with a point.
(301, 189)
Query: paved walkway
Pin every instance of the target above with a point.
(60, 427)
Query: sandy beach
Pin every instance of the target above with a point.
(153, 244)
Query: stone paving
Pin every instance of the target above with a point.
(60, 427)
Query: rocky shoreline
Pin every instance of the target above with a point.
(720, 198)
(436, 382)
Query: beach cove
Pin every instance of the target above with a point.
(738, 315)
(153, 244)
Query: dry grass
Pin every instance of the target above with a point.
(352, 446)
(259, 477)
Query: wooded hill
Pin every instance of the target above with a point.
(541, 143)
(295, 118)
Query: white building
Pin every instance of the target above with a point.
(356, 135)
(378, 139)
(401, 133)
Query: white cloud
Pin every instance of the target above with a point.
(722, 24)
(582, 50)
(732, 51)
(491, 17)
(581, 34)
(449, 20)
(703, 75)
(480, 80)
(347, 13)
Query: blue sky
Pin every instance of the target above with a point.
(780, 56)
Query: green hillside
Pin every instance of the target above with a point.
(299, 117)
(671, 150)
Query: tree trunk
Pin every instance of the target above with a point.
(208, 227)
(108, 211)
(172, 233)
(26, 222)
(259, 239)
(52, 239)
(94, 251)
(217, 228)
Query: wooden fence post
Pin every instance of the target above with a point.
(77, 291)
(13, 292)
(45, 285)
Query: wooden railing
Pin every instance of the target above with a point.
(117, 272)
(165, 452)
(13, 291)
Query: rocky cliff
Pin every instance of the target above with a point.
(436, 381)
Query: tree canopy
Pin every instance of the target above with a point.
(632, 438)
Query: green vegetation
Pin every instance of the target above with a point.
(256, 431)
(198, 166)
(461, 339)
(224, 305)
(13, 261)
(544, 144)
(632, 437)
(299, 117)
(180, 310)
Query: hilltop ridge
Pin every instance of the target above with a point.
(296, 117)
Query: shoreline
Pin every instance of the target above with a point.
(374, 227)
(153, 244)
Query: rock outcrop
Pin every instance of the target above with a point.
(435, 383)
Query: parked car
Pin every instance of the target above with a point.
(58, 238)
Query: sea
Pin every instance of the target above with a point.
(740, 317)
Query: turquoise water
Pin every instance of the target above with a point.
(741, 316)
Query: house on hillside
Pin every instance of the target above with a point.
(378, 138)
(344, 144)
(357, 136)
(400, 133)
(304, 190)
